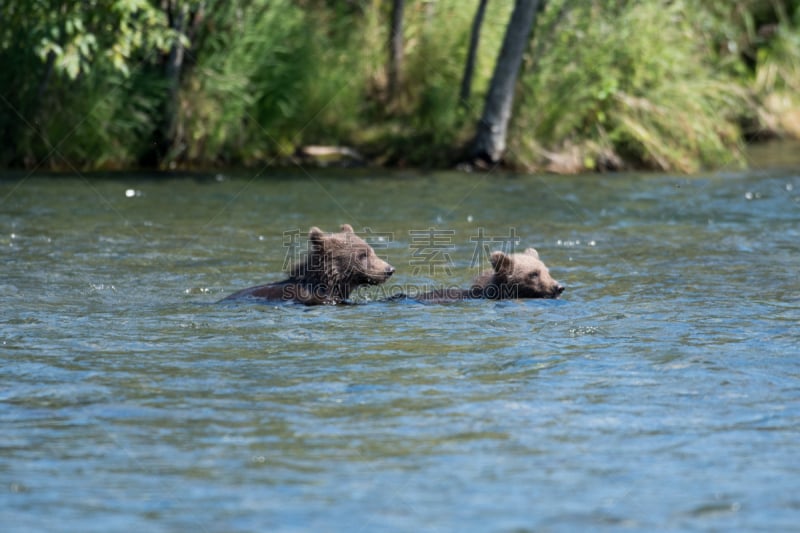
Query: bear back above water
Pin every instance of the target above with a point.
(336, 264)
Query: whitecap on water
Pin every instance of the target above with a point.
(197, 290)
(97, 287)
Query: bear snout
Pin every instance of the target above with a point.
(380, 273)
(559, 289)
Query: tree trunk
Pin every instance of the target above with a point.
(395, 48)
(173, 72)
(490, 139)
(163, 140)
(469, 67)
(48, 72)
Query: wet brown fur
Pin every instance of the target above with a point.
(336, 264)
(521, 275)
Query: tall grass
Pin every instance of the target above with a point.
(666, 84)
(273, 80)
(248, 75)
(104, 125)
(102, 119)
(428, 125)
(777, 82)
(624, 83)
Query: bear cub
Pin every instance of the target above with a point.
(517, 276)
(336, 264)
(520, 275)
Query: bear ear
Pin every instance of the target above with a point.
(316, 236)
(346, 228)
(500, 261)
(533, 252)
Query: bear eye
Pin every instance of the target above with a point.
(362, 255)
(534, 274)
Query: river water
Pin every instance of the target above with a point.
(661, 392)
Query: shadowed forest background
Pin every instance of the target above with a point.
(673, 85)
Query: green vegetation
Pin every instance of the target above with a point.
(634, 83)
(676, 84)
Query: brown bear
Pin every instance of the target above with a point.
(335, 265)
(521, 275)
(517, 276)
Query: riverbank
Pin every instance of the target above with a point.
(770, 154)
(177, 87)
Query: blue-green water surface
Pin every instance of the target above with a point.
(661, 392)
